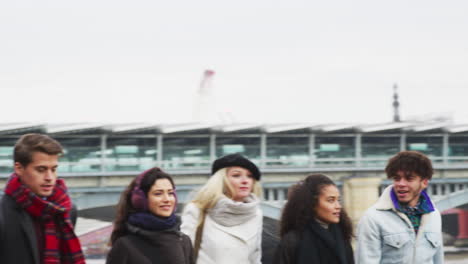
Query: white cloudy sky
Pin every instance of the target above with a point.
(275, 61)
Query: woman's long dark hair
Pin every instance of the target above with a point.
(303, 198)
(125, 207)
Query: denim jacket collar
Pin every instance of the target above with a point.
(385, 202)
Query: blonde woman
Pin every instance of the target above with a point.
(224, 220)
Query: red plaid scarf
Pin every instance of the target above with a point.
(61, 244)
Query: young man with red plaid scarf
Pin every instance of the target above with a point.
(35, 225)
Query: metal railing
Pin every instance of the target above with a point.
(96, 165)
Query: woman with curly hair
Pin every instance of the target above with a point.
(314, 227)
(145, 229)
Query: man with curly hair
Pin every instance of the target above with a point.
(403, 226)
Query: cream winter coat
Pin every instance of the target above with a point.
(387, 236)
(222, 242)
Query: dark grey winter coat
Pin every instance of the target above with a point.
(18, 242)
(151, 247)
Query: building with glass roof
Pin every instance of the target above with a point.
(113, 148)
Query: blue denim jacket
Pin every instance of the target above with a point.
(385, 235)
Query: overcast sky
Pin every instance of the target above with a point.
(275, 61)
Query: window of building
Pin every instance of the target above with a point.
(375, 150)
(247, 146)
(429, 145)
(131, 153)
(183, 152)
(458, 149)
(81, 154)
(6, 154)
(287, 151)
(331, 151)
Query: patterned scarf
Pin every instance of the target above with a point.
(414, 214)
(60, 242)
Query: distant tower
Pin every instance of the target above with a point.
(205, 110)
(396, 104)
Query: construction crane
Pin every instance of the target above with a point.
(206, 108)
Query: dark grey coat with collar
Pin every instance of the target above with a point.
(151, 247)
(18, 242)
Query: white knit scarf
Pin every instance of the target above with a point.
(228, 212)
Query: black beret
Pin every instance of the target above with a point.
(236, 160)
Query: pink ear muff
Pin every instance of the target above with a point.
(139, 200)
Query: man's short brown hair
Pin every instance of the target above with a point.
(408, 162)
(30, 143)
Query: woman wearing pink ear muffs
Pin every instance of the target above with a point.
(145, 229)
